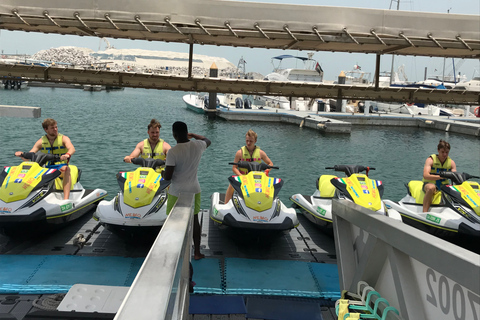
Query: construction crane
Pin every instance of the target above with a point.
(241, 69)
(108, 45)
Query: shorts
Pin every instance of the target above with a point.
(56, 166)
(425, 183)
(171, 200)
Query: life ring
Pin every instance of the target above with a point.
(477, 112)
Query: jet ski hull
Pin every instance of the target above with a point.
(128, 222)
(276, 218)
(48, 213)
(317, 210)
(440, 221)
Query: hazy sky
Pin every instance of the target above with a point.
(259, 60)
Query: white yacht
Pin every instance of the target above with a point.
(472, 85)
(311, 72)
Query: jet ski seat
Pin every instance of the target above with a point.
(75, 174)
(326, 188)
(415, 189)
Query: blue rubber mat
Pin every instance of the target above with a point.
(30, 274)
(326, 278)
(264, 308)
(217, 305)
(207, 275)
(269, 277)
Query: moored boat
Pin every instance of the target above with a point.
(198, 102)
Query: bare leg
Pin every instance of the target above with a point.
(229, 193)
(429, 189)
(67, 182)
(196, 238)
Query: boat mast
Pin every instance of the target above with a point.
(444, 59)
(393, 55)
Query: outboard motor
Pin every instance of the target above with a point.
(247, 104)
(238, 103)
(361, 106)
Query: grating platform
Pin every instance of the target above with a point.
(224, 251)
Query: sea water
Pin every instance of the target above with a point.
(106, 126)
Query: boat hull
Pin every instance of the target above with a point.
(195, 103)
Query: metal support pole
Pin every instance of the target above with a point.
(190, 60)
(340, 102)
(212, 96)
(377, 72)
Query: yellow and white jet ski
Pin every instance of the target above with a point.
(31, 197)
(255, 204)
(139, 209)
(455, 209)
(356, 187)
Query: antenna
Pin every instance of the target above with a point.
(398, 4)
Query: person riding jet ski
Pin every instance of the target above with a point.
(152, 147)
(436, 163)
(55, 143)
(250, 153)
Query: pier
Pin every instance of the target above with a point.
(20, 111)
(338, 122)
(368, 248)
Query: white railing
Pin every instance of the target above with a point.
(422, 276)
(160, 290)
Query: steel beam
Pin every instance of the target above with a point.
(241, 86)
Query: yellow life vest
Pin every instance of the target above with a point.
(156, 154)
(255, 157)
(56, 148)
(437, 167)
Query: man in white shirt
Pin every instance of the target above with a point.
(181, 168)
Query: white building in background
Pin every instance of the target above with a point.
(170, 62)
(136, 60)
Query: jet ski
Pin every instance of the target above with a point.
(255, 205)
(356, 187)
(139, 209)
(454, 213)
(31, 197)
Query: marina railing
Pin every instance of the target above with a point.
(161, 289)
(422, 276)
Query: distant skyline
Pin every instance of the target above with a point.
(259, 60)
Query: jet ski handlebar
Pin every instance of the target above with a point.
(40, 157)
(148, 162)
(350, 169)
(252, 166)
(456, 177)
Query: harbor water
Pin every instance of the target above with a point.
(105, 126)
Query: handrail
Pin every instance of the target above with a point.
(160, 289)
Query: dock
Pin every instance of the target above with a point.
(338, 122)
(217, 276)
(20, 111)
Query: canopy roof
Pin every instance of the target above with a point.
(250, 24)
(287, 56)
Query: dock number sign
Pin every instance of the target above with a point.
(444, 298)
